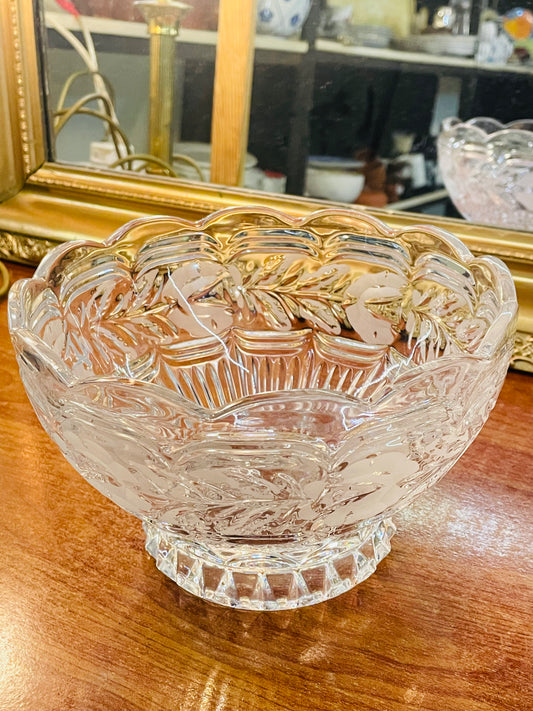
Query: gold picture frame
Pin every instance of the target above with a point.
(47, 203)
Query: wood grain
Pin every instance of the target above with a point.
(232, 90)
(88, 623)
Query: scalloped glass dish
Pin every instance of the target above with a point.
(487, 168)
(264, 391)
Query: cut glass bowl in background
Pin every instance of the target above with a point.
(264, 391)
(487, 168)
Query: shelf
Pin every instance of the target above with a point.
(327, 50)
(103, 26)
(415, 58)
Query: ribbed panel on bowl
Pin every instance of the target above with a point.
(219, 372)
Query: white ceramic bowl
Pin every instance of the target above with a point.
(334, 184)
(201, 155)
(439, 44)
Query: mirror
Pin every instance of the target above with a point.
(105, 53)
(346, 102)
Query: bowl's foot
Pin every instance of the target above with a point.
(279, 578)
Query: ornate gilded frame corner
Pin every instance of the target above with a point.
(523, 352)
(58, 203)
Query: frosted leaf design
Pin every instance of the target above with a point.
(487, 168)
(261, 389)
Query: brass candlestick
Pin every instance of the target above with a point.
(163, 18)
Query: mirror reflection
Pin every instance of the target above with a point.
(347, 100)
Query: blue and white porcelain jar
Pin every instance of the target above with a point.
(281, 17)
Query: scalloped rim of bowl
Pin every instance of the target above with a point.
(360, 222)
(451, 124)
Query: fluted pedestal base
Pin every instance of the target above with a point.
(280, 578)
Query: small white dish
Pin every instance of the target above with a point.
(336, 185)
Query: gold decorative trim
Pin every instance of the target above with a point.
(122, 187)
(24, 249)
(21, 125)
(20, 95)
(523, 352)
(143, 194)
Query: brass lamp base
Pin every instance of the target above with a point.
(163, 18)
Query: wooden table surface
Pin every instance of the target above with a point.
(88, 623)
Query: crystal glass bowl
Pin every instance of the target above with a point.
(264, 391)
(487, 168)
